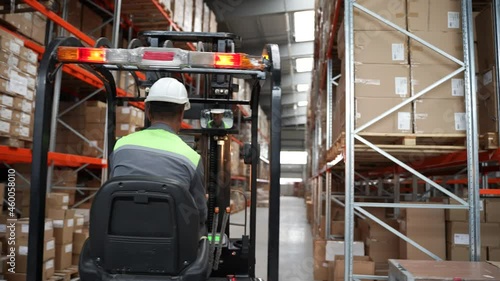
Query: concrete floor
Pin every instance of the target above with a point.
(296, 254)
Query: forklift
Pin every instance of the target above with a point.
(166, 245)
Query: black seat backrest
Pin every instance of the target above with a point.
(144, 225)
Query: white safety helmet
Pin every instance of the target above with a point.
(169, 90)
(217, 111)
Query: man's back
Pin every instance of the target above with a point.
(157, 151)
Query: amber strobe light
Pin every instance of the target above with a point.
(83, 55)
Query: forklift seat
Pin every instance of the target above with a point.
(144, 228)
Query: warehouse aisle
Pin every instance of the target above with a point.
(296, 254)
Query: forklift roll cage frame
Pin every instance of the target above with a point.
(42, 127)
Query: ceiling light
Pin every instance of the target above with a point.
(303, 103)
(303, 28)
(302, 87)
(304, 64)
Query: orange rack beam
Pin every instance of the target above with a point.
(12, 155)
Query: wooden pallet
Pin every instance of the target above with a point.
(12, 142)
(68, 274)
(405, 147)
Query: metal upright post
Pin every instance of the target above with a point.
(116, 23)
(329, 106)
(414, 185)
(55, 104)
(349, 138)
(328, 205)
(397, 193)
(472, 136)
(496, 40)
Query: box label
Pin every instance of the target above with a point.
(7, 100)
(17, 84)
(488, 78)
(31, 69)
(6, 113)
(404, 121)
(78, 231)
(457, 87)
(68, 248)
(14, 47)
(460, 124)
(398, 52)
(124, 127)
(49, 264)
(3, 228)
(23, 250)
(50, 245)
(401, 86)
(12, 61)
(25, 228)
(30, 94)
(80, 221)
(48, 225)
(65, 199)
(453, 20)
(58, 223)
(25, 118)
(4, 127)
(71, 222)
(125, 110)
(461, 239)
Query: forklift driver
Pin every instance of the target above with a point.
(217, 121)
(158, 150)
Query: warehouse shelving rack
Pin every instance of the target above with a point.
(342, 165)
(93, 85)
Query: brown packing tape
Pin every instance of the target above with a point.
(413, 15)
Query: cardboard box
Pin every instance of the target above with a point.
(10, 43)
(424, 75)
(39, 26)
(78, 241)
(334, 248)
(94, 131)
(369, 108)
(320, 264)
(384, 47)
(64, 256)
(188, 16)
(462, 215)
(63, 225)
(440, 116)
(22, 229)
(49, 252)
(492, 206)
(382, 81)
(124, 129)
(458, 234)
(408, 270)
(75, 259)
(487, 106)
(428, 15)
(462, 253)
(95, 112)
(9, 59)
(493, 254)
(427, 228)
(28, 55)
(381, 250)
(91, 149)
(57, 200)
(485, 39)
(179, 12)
(28, 67)
(362, 265)
(449, 42)
(79, 222)
(393, 11)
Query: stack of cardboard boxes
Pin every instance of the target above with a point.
(486, 70)
(21, 251)
(390, 67)
(18, 69)
(128, 120)
(66, 140)
(31, 25)
(64, 224)
(457, 232)
(80, 235)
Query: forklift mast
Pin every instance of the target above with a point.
(216, 61)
